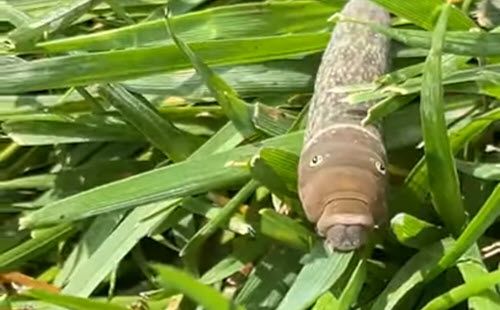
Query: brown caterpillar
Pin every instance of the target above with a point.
(341, 175)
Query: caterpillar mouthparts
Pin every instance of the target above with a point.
(346, 237)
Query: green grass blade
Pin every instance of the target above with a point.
(33, 247)
(464, 291)
(71, 302)
(247, 250)
(14, 16)
(277, 170)
(410, 276)
(414, 232)
(385, 107)
(223, 216)
(326, 301)
(485, 171)
(480, 44)
(477, 227)
(224, 140)
(120, 11)
(423, 13)
(442, 174)
(272, 121)
(205, 296)
(352, 289)
(285, 230)
(92, 238)
(112, 66)
(416, 187)
(59, 18)
(199, 175)
(251, 80)
(40, 181)
(182, 6)
(238, 111)
(225, 22)
(471, 267)
(270, 279)
(236, 223)
(139, 223)
(161, 132)
(44, 132)
(317, 276)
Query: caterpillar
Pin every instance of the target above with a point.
(342, 177)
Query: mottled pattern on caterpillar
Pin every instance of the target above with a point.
(355, 54)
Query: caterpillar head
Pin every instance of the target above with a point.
(342, 182)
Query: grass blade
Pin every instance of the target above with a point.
(414, 232)
(199, 175)
(42, 132)
(112, 66)
(285, 230)
(410, 276)
(87, 275)
(485, 171)
(422, 13)
(226, 22)
(238, 111)
(223, 216)
(71, 302)
(350, 293)
(59, 18)
(319, 273)
(36, 246)
(477, 227)
(442, 174)
(204, 295)
(270, 279)
(176, 144)
(464, 291)
(144, 221)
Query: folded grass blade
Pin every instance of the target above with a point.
(161, 132)
(237, 110)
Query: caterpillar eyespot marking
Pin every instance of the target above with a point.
(316, 161)
(380, 166)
